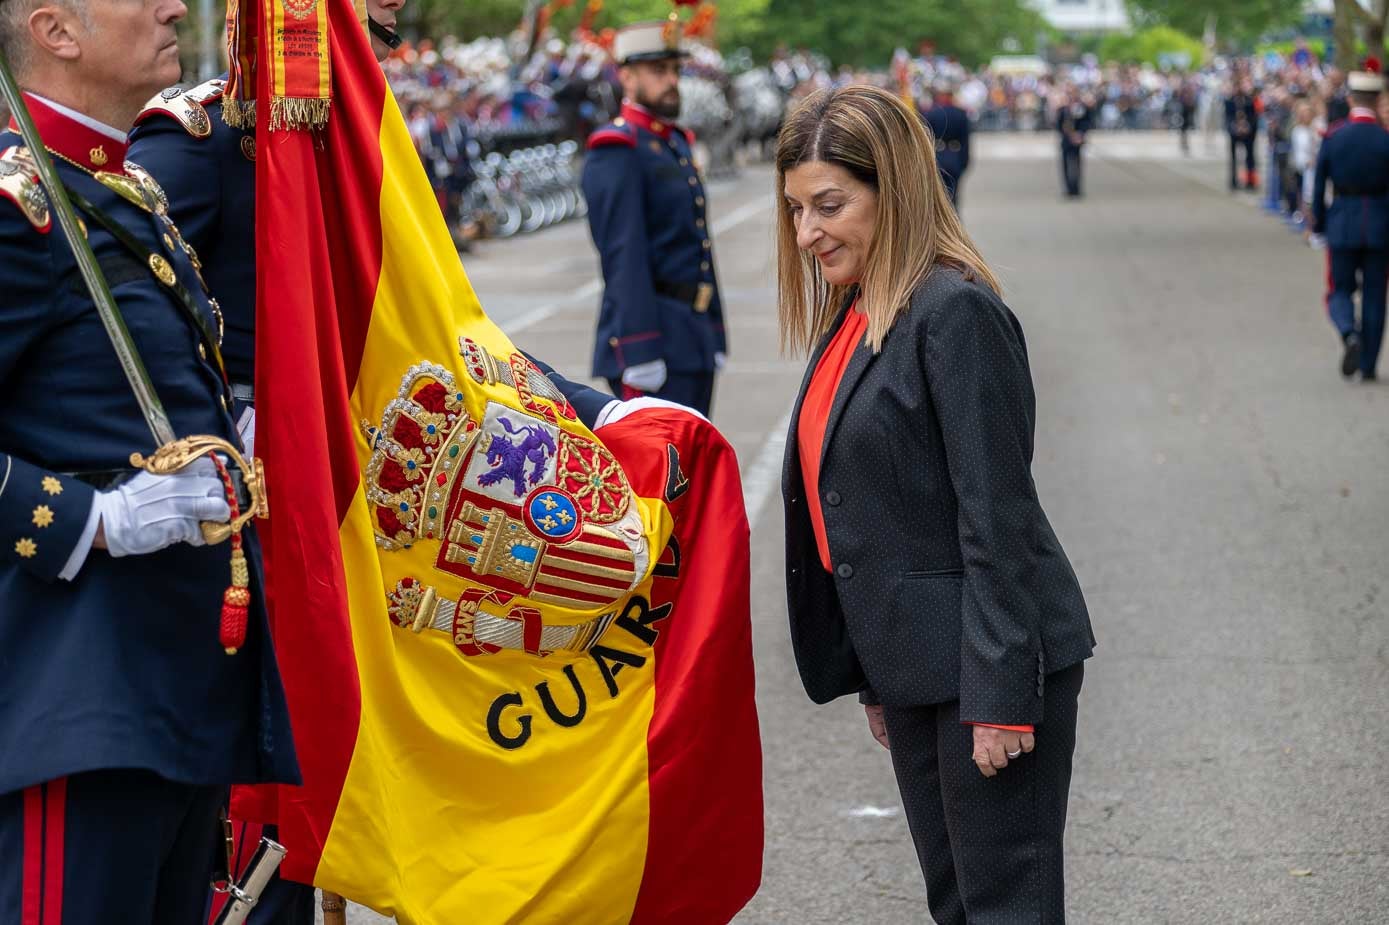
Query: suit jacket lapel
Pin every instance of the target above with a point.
(792, 434)
(862, 358)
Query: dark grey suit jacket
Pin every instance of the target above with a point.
(948, 581)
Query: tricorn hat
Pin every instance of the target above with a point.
(656, 40)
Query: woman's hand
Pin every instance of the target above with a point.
(876, 724)
(993, 748)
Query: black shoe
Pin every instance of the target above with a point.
(1368, 377)
(1350, 360)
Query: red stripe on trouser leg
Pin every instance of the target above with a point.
(31, 868)
(54, 826)
(1330, 283)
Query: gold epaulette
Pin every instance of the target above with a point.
(19, 183)
(186, 106)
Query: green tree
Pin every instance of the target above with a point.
(973, 30)
(1357, 29)
(1242, 21)
(1150, 46)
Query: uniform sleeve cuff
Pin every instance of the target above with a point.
(84, 544)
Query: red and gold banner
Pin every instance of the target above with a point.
(516, 652)
(300, 60)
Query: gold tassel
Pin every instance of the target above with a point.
(288, 113)
(239, 113)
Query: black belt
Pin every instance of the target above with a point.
(696, 295)
(107, 479)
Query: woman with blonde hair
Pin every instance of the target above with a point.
(921, 571)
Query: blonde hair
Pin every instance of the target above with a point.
(882, 142)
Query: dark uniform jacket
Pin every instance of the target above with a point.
(1241, 116)
(120, 667)
(648, 216)
(948, 581)
(1073, 117)
(208, 170)
(1354, 157)
(949, 125)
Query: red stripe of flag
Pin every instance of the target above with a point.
(318, 268)
(703, 861)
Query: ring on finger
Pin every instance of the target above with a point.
(1014, 754)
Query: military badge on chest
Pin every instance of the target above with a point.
(528, 516)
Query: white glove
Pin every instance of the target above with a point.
(720, 360)
(646, 377)
(246, 427)
(615, 411)
(150, 512)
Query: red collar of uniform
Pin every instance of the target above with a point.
(1362, 116)
(73, 140)
(642, 117)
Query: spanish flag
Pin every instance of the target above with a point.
(517, 653)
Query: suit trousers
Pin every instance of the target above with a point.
(1367, 269)
(693, 390)
(1071, 165)
(990, 848)
(108, 846)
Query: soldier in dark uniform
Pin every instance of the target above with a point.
(949, 125)
(1242, 125)
(1354, 157)
(660, 328)
(122, 719)
(1073, 122)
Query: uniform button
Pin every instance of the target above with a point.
(699, 201)
(694, 181)
(832, 498)
(699, 223)
(684, 162)
(704, 266)
(845, 570)
(708, 244)
(202, 352)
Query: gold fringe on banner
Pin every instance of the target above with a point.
(288, 113)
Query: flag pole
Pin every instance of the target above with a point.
(334, 909)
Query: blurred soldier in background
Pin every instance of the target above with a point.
(949, 125)
(1354, 157)
(1073, 122)
(660, 328)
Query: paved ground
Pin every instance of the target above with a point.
(1222, 493)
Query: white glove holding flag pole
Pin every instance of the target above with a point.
(151, 512)
(615, 411)
(646, 377)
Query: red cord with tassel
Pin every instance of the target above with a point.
(236, 600)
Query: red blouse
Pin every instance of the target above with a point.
(815, 417)
(813, 422)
